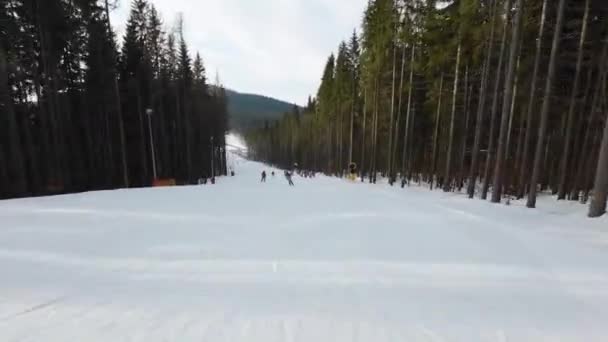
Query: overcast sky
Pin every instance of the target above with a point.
(276, 48)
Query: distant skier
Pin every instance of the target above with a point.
(352, 172)
(289, 178)
(263, 177)
(272, 174)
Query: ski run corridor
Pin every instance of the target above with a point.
(325, 261)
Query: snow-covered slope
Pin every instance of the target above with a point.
(324, 261)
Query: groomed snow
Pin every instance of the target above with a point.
(325, 261)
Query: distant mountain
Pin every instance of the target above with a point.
(250, 110)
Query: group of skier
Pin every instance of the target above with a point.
(288, 176)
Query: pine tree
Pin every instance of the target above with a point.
(600, 190)
(507, 103)
(572, 107)
(544, 114)
(118, 107)
(494, 108)
(448, 167)
(354, 55)
(15, 171)
(531, 101)
(185, 79)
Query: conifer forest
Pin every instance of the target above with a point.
(499, 99)
(82, 109)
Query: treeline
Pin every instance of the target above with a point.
(77, 113)
(493, 97)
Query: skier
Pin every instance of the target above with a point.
(272, 174)
(288, 176)
(263, 177)
(352, 172)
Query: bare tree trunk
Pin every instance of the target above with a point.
(600, 186)
(448, 166)
(473, 171)
(329, 144)
(582, 167)
(188, 133)
(436, 133)
(163, 165)
(109, 149)
(513, 103)
(409, 112)
(398, 123)
(591, 165)
(49, 120)
(375, 144)
(314, 143)
(362, 166)
(46, 148)
(341, 157)
(563, 166)
(389, 167)
(545, 108)
(14, 158)
(339, 139)
(580, 129)
(506, 106)
(142, 137)
(467, 110)
(179, 135)
(545, 179)
(121, 127)
(518, 152)
(523, 167)
(494, 110)
(4, 178)
(31, 157)
(410, 156)
(352, 125)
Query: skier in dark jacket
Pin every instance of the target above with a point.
(263, 177)
(288, 176)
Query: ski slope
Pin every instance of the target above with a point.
(324, 261)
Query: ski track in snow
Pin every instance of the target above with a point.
(326, 260)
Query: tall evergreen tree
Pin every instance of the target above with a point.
(544, 114)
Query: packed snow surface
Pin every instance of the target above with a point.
(325, 261)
